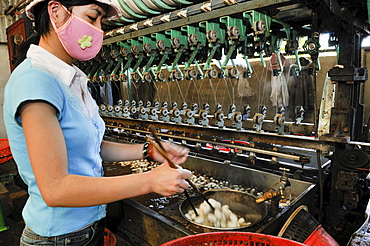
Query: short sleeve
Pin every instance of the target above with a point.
(33, 85)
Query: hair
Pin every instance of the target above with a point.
(42, 25)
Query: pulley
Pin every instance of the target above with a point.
(176, 42)
(353, 160)
(147, 47)
(123, 77)
(114, 53)
(203, 114)
(161, 76)
(153, 111)
(176, 75)
(135, 49)
(212, 73)
(237, 117)
(189, 113)
(259, 27)
(175, 112)
(193, 39)
(232, 72)
(125, 110)
(219, 115)
(142, 110)
(117, 108)
(104, 78)
(164, 112)
(124, 51)
(233, 32)
(161, 45)
(191, 73)
(147, 77)
(212, 36)
(110, 108)
(102, 107)
(135, 76)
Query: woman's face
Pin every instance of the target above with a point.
(92, 13)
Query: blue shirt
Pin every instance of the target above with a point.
(64, 87)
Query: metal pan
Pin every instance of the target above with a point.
(240, 203)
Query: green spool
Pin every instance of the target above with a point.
(162, 5)
(143, 7)
(182, 2)
(130, 11)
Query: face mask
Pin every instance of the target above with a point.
(80, 39)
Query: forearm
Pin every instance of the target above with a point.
(111, 151)
(78, 191)
(83, 191)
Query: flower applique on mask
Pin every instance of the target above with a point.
(85, 41)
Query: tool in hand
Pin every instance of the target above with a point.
(158, 146)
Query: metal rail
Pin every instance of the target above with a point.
(246, 135)
(249, 149)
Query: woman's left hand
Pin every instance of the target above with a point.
(178, 154)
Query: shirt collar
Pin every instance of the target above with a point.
(46, 60)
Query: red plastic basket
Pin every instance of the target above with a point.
(5, 153)
(109, 238)
(231, 239)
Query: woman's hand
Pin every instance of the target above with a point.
(176, 153)
(167, 181)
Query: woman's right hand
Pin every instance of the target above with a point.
(167, 181)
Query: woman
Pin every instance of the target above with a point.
(55, 132)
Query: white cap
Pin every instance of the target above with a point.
(113, 11)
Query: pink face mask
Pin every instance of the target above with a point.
(80, 39)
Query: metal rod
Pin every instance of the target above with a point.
(250, 149)
(246, 135)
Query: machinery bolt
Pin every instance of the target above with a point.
(345, 129)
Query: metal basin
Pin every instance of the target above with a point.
(240, 203)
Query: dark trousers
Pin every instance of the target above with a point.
(92, 235)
